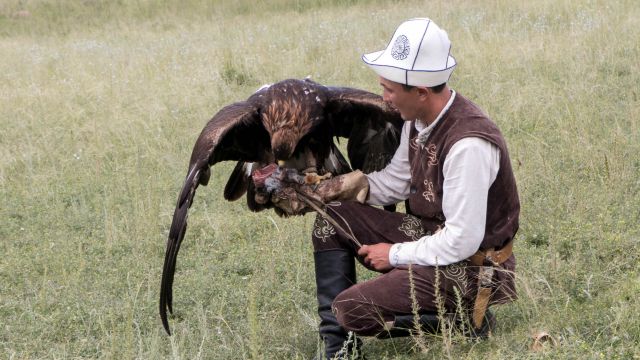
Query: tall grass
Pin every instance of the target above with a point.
(100, 103)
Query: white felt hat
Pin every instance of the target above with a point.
(418, 54)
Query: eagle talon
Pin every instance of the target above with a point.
(313, 178)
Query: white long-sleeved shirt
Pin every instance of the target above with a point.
(469, 170)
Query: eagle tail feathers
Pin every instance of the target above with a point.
(176, 235)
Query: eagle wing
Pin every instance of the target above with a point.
(237, 133)
(372, 126)
(224, 137)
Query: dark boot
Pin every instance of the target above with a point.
(404, 325)
(335, 272)
(488, 325)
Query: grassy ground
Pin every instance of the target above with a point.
(101, 101)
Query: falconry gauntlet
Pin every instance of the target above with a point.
(294, 198)
(296, 194)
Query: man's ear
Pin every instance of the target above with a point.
(423, 92)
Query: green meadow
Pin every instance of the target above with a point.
(101, 102)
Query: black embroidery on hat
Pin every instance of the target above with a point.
(400, 49)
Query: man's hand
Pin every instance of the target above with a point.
(376, 256)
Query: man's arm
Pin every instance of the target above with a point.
(469, 170)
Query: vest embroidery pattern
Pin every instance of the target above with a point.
(412, 227)
(432, 155)
(428, 193)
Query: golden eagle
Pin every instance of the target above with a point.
(292, 123)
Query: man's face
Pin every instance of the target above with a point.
(406, 102)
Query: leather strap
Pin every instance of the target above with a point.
(480, 306)
(494, 257)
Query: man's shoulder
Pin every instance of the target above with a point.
(464, 106)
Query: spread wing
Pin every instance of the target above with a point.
(234, 133)
(372, 127)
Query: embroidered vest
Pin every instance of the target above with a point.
(463, 119)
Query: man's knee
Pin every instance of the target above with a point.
(355, 313)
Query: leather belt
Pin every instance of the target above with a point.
(487, 260)
(494, 257)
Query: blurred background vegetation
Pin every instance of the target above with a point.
(101, 101)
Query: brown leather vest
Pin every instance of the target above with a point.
(463, 119)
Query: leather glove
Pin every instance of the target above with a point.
(291, 191)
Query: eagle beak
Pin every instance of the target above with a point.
(281, 163)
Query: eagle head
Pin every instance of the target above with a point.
(289, 113)
(283, 143)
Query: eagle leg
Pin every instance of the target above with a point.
(311, 176)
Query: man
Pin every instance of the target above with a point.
(452, 250)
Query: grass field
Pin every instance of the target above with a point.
(101, 102)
